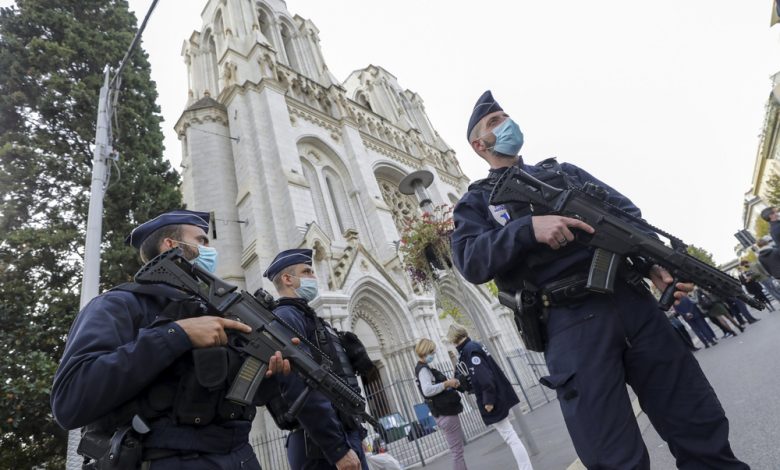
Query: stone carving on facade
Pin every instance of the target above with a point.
(401, 206)
(228, 74)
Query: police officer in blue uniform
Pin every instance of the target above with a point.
(321, 437)
(493, 391)
(594, 343)
(128, 372)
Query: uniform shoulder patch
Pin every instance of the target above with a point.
(499, 214)
(475, 360)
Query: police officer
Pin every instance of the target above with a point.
(595, 343)
(771, 215)
(322, 437)
(495, 395)
(130, 353)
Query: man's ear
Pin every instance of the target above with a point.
(478, 146)
(166, 245)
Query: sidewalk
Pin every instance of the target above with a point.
(489, 451)
(740, 369)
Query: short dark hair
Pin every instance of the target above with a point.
(151, 246)
(277, 280)
(767, 212)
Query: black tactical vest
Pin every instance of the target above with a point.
(446, 403)
(192, 390)
(329, 342)
(552, 174)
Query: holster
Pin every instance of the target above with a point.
(120, 451)
(529, 317)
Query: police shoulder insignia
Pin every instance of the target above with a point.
(499, 213)
(476, 360)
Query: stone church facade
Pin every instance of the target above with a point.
(287, 156)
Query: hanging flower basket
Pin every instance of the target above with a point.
(425, 245)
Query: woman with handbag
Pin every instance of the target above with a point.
(442, 399)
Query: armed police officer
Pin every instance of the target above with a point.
(145, 369)
(321, 436)
(594, 343)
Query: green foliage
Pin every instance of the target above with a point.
(425, 241)
(773, 190)
(492, 288)
(761, 228)
(52, 55)
(449, 309)
(701, 254)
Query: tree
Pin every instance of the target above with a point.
(773, 190)
(701, 254)
(52, 55)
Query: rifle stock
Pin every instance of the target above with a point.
(269, 334)
(618, 233)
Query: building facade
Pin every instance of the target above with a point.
(767, 161)
(287, 156)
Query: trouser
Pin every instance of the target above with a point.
(682, 333)
(453, 434)
(242, 458)
(296, 452)
(598, 346)
(744, 311)
(508, 434)
(700, 327)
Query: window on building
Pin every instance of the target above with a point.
(265, 26)
(339, 201)
(289, 47)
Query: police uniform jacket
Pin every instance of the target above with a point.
(489, 384)
(774, 231)
(318, 416)
(486, 242)
(113, 354)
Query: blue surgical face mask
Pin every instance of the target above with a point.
(429, 358)
(509, 138)
(308, 290)
(207, 257)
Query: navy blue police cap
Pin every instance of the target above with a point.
(484, 106)
(288, 258)
(179, 217)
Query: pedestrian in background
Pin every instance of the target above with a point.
(717, 311)
(442, 399)
(695, 319)
(749, 279)
(495, 395)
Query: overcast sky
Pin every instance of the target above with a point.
(663, 100)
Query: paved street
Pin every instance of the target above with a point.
(743, 371)
(745, 374)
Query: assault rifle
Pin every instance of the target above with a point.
(618, 235)
(269, 334)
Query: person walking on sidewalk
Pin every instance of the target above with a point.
(495, 395)
(442, 399)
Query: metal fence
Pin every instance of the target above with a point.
(409, 432)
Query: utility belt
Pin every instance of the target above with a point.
(531, 306)
(566, 291)
(127, 447)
